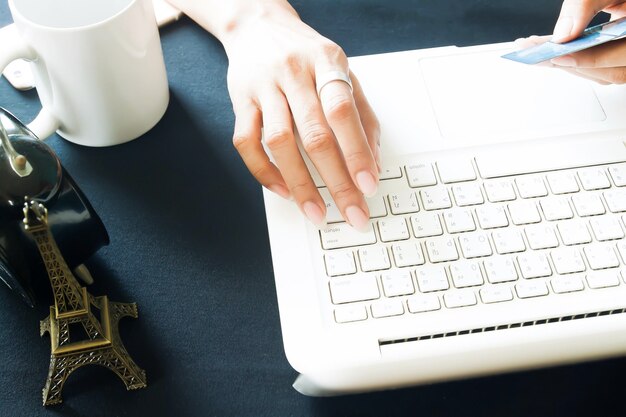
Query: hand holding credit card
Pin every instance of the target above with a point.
(593, 36)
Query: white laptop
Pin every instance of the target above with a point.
(497, 241)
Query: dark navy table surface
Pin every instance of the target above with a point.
(189, 245)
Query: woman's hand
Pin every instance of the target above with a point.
(277, 64)
(606, 63)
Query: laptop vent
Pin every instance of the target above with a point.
(503, 327)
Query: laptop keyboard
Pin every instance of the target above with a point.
(441, 237)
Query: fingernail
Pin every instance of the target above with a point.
(366, 183)
(562, 29)
(357, 218)
(314, 213)
(377, 156)
(280, 190)
(564, 61)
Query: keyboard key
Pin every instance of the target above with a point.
(403, 202)
(420, 175)
(388, 173)
(624, 219)
(529, 187)
(466, 274)
(541, 236)
(317, 179)
(350, 313)
(615, 200)
(435, 198)
(534, 265)
(459, 220)
(456, 170)
(593, 178)
(562, 182)
(606, 228)
(475, 245)
(588, 204)
(459, 298)
(333, 215)
(556, 208)
(495, 294)
(426, 225)
(574, 232)
(374, 258)
(570, 283)
(601, 256)
(431, 278)
(602, 279)
(528, 289)
(508, 241)
(567, 260)
(407, 254)
(618, 174)
(491, 216)
(353, 288)
(500, 269)
(339, 263)
(467, 194)
(621, 248)
(343, 235)
(441, 249)
(397, 283)
(499, 190)
(377, 206)
(524, 212)
(393, 228)
(423, 303)
(387, 308)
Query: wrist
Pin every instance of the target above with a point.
(245, 14)
(227, 19)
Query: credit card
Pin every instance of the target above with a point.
(593, 36)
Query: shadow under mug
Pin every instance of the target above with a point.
(98, 67)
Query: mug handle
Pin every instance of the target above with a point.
(14, 47)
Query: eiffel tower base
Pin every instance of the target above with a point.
(107, 351)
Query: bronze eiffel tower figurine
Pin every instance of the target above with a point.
(82, 328)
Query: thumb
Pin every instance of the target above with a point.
(575, 16)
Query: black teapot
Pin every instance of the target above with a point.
(30, 171)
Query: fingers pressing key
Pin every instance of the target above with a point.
(335, 154)
(280, 139)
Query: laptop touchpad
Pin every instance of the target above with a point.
(483, 96)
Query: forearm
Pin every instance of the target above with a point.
(223, 18)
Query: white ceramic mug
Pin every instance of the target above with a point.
(98, 67)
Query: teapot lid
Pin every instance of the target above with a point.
(28, 167)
